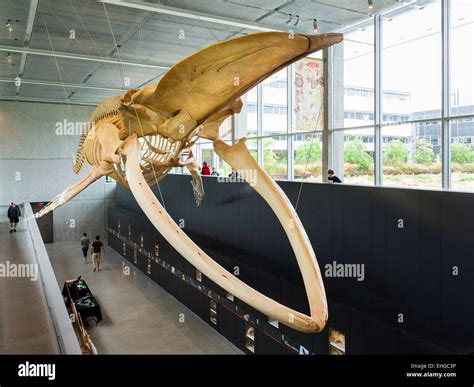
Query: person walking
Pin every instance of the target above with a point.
(97, 249)
(85, 243)
(14, 214)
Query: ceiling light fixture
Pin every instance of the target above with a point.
(290, 18)
(297, 22)
(9, 25)
(370, 5)
(9, 58)
(315, 25)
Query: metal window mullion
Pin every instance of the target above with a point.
(445, 58)
(290, 120)
(260, 124)
(329, 107)
(378, 93)
(326, 143)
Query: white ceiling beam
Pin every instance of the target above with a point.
(90, 58)
(152, 7)
(26, 41)
(47, 100)
(59, 84)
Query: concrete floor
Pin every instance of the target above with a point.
(25, 326)
(139, 317)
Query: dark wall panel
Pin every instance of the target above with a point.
(430, 260)
(407, 270)
(403, 252)
(379, 338)
(407, 344)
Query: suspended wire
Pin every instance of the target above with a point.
(85, 28)
(326, 77)
(136, 113)
(57, 65)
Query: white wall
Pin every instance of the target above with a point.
(33, 150)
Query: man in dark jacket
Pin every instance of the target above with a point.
(13, 214)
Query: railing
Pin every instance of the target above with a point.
(64, 331)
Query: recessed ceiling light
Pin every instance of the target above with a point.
(297, 22)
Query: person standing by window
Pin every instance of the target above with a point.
(85, 243)
(214, 172)
(14, 214)
(332, 178)
(205, 170)
(97, 249)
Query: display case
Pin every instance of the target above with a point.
(213, 311)
(148, 265)
(250, 338)
(274, 323)
(198, 276)
(337, 342)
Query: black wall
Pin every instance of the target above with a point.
(408, 270)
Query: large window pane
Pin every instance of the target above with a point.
(207, 154)
(309, 95)
(275, 107)
(275, 156)
(411, 62)
(352, 94)
(412, 155)
(246, 120)
(462, 154)
(462, 57)
(353, 151)
(307, 153)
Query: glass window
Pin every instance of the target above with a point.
(462, 155)
(412, 155)
(308, 151)
(462, 57)
(246, 120)
(352, 73)
(207, 153)
(411, 62)
(275, 104)
(352, 157)
(275, 157)
(309, 95)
